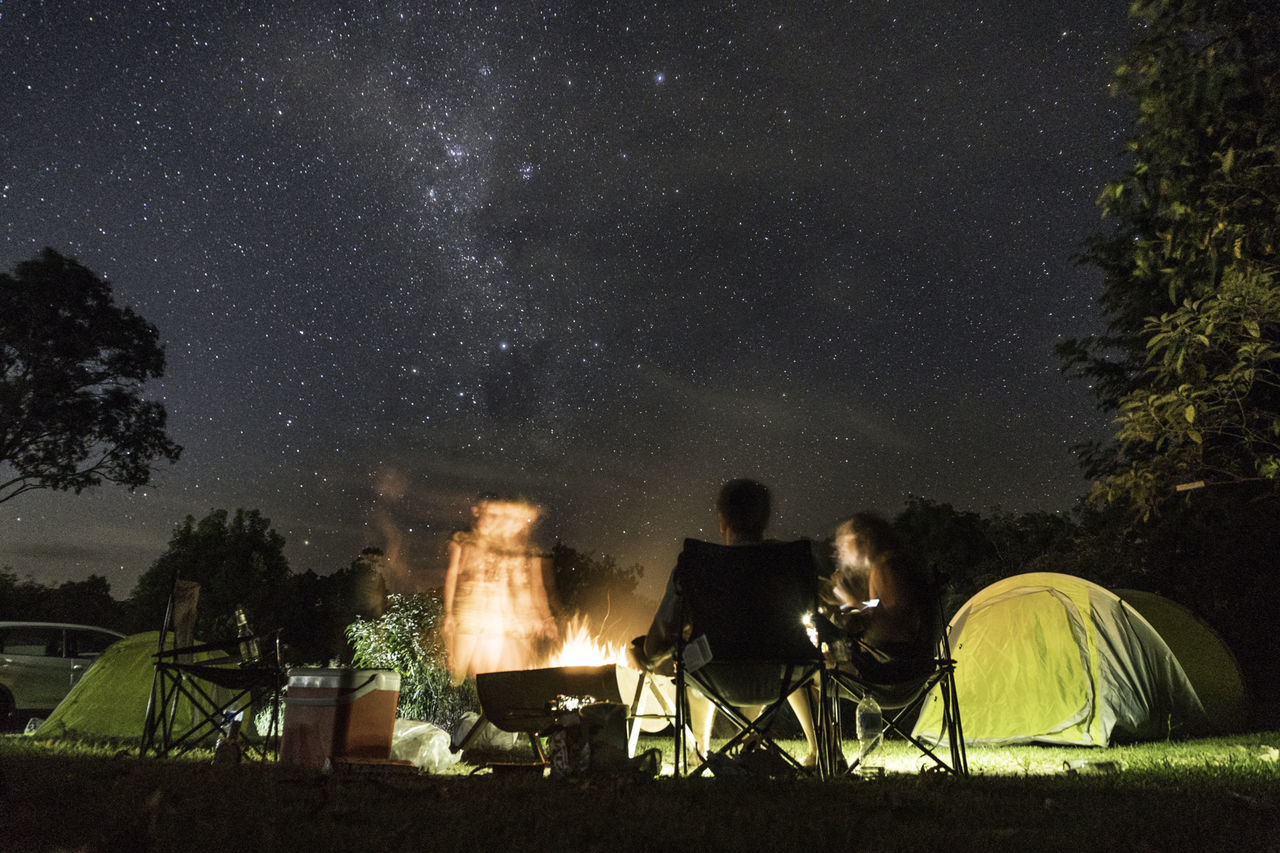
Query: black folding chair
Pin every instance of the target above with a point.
(901, 687)
(199, 689)
(747, 644)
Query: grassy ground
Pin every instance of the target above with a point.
(1219, 794)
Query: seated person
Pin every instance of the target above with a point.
(881, 597)
(742, 511)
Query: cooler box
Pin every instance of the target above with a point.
(338, 714)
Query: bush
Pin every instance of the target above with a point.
(407, 639)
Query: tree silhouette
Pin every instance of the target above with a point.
(238, 563)
(72, 366)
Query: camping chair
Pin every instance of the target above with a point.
(650, 710)
(901, 687)
(199, 690)
(746, 642)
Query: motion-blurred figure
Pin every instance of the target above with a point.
(880, 595)
(496, 607)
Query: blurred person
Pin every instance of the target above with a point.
(496, 607)
(879, 595)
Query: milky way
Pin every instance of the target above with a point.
(602, 257)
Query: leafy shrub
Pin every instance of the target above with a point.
(407, 639)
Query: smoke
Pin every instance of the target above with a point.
(390, 487)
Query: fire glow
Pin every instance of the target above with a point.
(581, 647)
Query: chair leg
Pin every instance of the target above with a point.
(953, 728)
(827, 729)
(679, 758)
(646, 682)
(633, 717)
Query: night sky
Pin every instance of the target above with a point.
(401, 254)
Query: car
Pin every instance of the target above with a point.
(39, 664)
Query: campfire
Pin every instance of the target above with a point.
(585, 664)
(581, 647)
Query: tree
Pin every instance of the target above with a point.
(87, 602)
(73, 364)
(954, 543)
(1188, 362)
(322, 606)
(1211, 410)
(18, 598)
(969, 551)
(597, 587)
(240, 563)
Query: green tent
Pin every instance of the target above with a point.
(1208, 662)
(110, 701)
(1052, 658)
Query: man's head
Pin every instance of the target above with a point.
(743, 507)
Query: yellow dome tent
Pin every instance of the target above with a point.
(1052, 658)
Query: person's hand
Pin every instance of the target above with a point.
(448, 626)
(843, 597)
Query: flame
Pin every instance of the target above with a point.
(582, 648)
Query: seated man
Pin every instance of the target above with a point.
(742, 510)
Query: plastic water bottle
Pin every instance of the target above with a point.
(870, 733)
(248, 643)
(230, 747)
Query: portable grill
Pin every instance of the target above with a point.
(523, 701)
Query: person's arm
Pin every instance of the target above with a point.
(892, 620)
(847, 600)
(660, 642)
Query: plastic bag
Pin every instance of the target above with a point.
(424, 744)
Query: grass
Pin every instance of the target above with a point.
(1221, 793)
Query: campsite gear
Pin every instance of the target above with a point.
(423, 744)
(213, 679)
(473, 731)
(870, 728)
(110, 702)
(1205, 658)
(524, 701)
(230, 748)
(1051, 658)
(248, 643)
(333, 714)
(530, 702)
(589, 738)
(745, 608)
(901, 687)
(214, 683)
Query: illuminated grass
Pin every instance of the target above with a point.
(1192, 795)
(1250, 755)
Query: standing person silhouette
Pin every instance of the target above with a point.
(495, 597)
